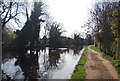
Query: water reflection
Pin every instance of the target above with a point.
(49, 61)
(11, 70)
(44, 63)
(29, 64)
(54, 56)
(76, 52)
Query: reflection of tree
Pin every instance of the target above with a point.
(29, 64)
(65, 51)
(76, 52)
(54, 56)
(49, 62)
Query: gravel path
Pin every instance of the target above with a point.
(99, 68)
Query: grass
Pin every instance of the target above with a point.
(95, 48)
(79, 71)
(115, 62)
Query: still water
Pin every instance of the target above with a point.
(40, 64)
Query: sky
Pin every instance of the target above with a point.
(71, 13)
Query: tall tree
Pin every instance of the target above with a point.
(115, 27)
(30, 32)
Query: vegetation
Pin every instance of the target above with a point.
(29, 34)
(77, 40)
(55, 38)
(113, 60)
(8, 36)
(79, 71)
(95, 48)
(89, 40)
(105, 25)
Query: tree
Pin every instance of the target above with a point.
(77, 40)
(10, 10)
(30, 31)
(7, 38)
(88, 40)
(55, 32)
(115, 27)
(104, 23)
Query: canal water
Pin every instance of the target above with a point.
(42, 64)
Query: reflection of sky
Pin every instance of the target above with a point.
(12, 70)
(70, 62)
(68, 67)
(64, 68)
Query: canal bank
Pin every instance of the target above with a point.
(79, 71)
(92, 65)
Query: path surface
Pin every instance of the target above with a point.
(98, 67)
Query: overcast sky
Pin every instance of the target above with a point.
(72, 13)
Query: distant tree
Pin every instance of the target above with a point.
(67, 41)
(77, 40)
(55, 38)
(7, 38)
(89, 40)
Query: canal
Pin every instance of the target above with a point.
(41, 64)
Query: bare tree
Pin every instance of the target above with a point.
(10, 10)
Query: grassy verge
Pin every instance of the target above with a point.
(95, 48)
(115, 62)
(79, 71)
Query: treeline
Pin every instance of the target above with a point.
(105, 25)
